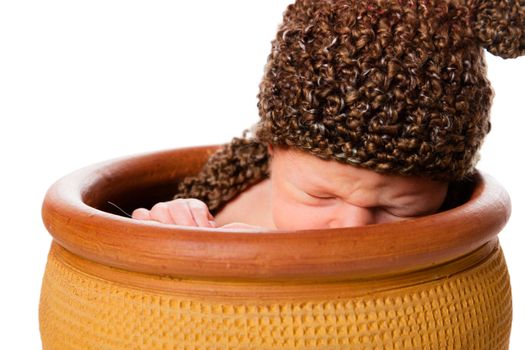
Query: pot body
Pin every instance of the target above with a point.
(463, 304)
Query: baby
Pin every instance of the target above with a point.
(369, 110)
(305, 192)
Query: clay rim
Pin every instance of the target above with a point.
(314, 255)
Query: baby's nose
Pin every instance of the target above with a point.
(352, 216)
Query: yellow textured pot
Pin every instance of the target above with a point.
(437, 282)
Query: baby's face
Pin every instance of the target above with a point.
(310, 193)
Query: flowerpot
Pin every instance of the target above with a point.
(435, 282)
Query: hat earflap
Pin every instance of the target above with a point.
(500, 26)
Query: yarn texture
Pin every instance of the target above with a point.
(394, 86)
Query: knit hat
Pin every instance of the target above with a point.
(395, 86)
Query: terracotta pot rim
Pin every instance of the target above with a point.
(331, 254)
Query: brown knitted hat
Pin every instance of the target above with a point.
(396, 86)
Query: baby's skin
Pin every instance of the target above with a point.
(306, 192)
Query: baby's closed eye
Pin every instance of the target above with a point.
(321, 196)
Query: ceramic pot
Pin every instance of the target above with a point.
(436, 282)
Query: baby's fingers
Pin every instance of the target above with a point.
(200, 213)
(184, 212)
(161, 213)
(141, 214)
(173, 212)
(190, 212)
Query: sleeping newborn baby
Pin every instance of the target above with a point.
(369, 112)
(306, 192)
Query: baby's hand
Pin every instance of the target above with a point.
(187, 212)
(239, 226)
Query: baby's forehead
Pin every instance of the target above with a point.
(304, 166)
(307, 170)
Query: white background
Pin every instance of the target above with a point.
(82, 82)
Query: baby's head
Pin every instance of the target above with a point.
(393, 94)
